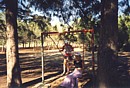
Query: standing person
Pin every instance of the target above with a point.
(67, 48)
(71, 80)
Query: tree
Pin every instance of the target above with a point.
(2, 31)
(68, 10)
(107, 53)
(12, 56)
(123, 35)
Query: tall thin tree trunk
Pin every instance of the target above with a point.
(107, 53)
(12, 56)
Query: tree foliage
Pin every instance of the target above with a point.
(124, 32)
(2, 26)
(67, 10)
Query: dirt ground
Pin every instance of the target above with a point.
(30, 62)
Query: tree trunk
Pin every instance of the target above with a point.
(12, 57)
(107, 53)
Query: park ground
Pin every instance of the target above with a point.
(30, 62)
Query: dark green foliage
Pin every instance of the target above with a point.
(2, 29)
(122, 38)
(66, 9)
(83, 37)
(123, 33)
(39, 20)
(126, 47)
(70, 37)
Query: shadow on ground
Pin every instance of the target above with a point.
(31, 68)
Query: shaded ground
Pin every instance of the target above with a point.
(30, 62)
